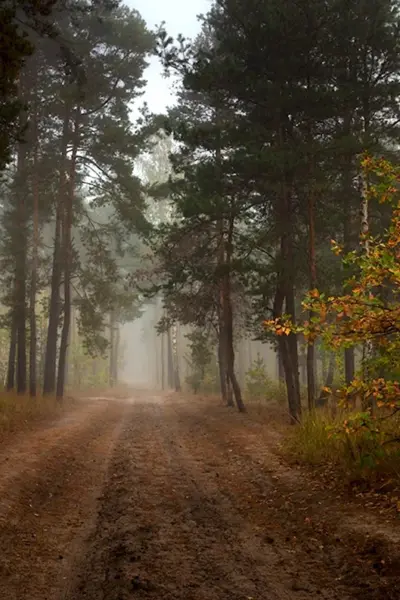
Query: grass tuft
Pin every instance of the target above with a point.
(21, 412)
(366, 456)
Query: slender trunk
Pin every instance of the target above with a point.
(223, 348)
(292, 359)
(170, 360)
(303, 364)
(157, 362)
(116, 354)
(281, 370)
(228, 320)
(368, 347)
(21, 253)
(285, 288)
(285, 354)
(35, 251)
(177, 377)
(324, 395)
(292, 350)
(67, 252)
(50, 363)
(163, 386)
(72, 374)
(224, 352)
(33, 336)
(311, 387)
(111, 369)
(348, 193)
(10, 384)
(222, 367)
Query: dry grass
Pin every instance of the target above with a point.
(22, 412)
(357, 457)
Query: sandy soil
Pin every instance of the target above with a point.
(165, 498)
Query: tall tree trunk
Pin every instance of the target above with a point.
(224, 351)
(116, 353)
(157, 361)
(324, 395)
(163, 383)
(228, 319)
(348, 194)
(10, 383)
(311, 386)
(311, 357)
(50, 364)
(67, 253)
(177, 377)
(285, 354)
(303, 365)
(111, 369)
(285, 286)
(292, 349)
(35, 252)
(368, 346)
(223, 341)
(222, 365)
(280, 369)
(170, 360)
(21, 234)
(349, 355)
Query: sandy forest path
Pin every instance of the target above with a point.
(161, 498)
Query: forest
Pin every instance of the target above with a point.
(199, 304)
(263, 207)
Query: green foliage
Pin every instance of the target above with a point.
(257, 380)
(359, 447)
(272, 116)
(259, 385)
(203, 375)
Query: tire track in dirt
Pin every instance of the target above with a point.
(322, 534)
(48, 499)
(173, 525)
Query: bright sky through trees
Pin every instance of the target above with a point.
(180, 16)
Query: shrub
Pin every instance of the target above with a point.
(259, 386)
(363, 448)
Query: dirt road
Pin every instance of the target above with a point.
(161, 498)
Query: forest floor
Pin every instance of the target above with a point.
(157, 497)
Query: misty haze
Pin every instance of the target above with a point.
(200, 300)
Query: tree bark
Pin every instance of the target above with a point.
(116, 354)
(50, 364)
(348, 193)
(311, 387)
(228, 320)
(222, 364)
(170, 361)
(177, 377)
(35, 254)
(21, 252)
(10, 383)
(285, 285)
(292, 359)
(163, 386)
(324, 395)
(67, 252)
(111, 368)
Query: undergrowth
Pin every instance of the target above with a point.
(20, 412)
(360, 451)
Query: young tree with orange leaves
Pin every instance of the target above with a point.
(370, 312)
